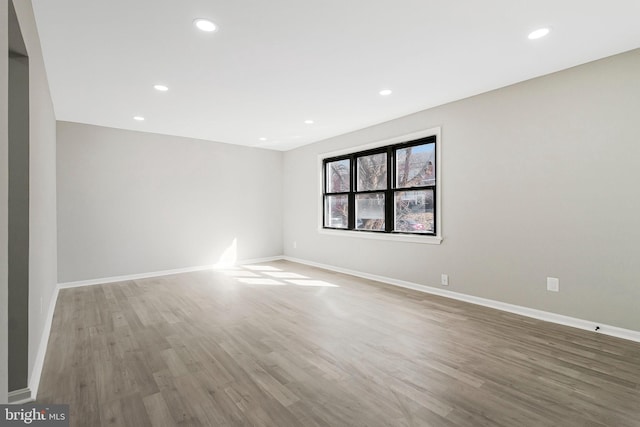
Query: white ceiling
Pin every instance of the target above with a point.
(274, 64)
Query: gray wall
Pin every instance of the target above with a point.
(4, 197)
(42, 218)
(539, 179)
(18, 219)
(43, 265)
(132, 202)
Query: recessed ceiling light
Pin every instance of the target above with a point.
(540, 32)
(205, 25)
(138, 118)
(308, 122)
(385, 92)
(262, 139)
(161, 88)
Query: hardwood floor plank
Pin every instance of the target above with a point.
(158, 411)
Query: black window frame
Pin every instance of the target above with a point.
(389, 192)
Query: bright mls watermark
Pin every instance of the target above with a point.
(34, 415)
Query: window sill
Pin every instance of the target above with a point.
(428, 240)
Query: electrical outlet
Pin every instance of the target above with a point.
(444, 279)
(295, 244)
(553, 284)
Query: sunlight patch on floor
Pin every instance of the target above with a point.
(260, 281)
(286, 275)
(266, 275)
(239, 273)
(261, 268)
(312, 283)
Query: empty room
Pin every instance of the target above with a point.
(319, 214)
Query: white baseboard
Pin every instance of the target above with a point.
(114, 279)
(588, 325)
(19, 397)
(36, 373)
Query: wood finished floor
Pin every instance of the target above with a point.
(281, 344)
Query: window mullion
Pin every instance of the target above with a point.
(388, 198)
(352, 197)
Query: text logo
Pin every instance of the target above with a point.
(34, 415)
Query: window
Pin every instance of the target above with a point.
(390, 189)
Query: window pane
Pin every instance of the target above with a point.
(372, 172)
(415, 166)
(414, 211)
(338, 176)
(336, 210)
(370, 211)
